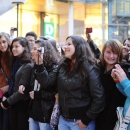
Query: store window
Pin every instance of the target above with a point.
(97, 18)
(28, 21)
(93, 15)
(119, 19)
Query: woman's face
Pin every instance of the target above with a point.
(17, 48)
(126, 48)
(34, 51)
(110, 57)
(69, 48)
(3, 44)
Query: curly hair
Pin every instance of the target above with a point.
(50, 55)
(26, 56)
(8, 55)
(54, 44)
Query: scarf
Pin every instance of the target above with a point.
(13, 72)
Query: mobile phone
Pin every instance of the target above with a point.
(89, 30)
(41, 50)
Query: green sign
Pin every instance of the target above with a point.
(48, 29)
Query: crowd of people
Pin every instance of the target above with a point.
(90, 84)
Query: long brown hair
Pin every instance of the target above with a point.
(82, 55)
(8, 55)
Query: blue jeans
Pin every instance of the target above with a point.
(4, 119)
(35, 125)
(68, 125)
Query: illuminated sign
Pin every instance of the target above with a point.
(48, 29)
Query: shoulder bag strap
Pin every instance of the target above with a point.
(2, 70)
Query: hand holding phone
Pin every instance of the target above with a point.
(40, 50)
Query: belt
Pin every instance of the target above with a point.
(70, 120)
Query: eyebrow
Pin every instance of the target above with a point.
(3, 40)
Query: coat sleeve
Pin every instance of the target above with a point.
(46, 79)
(120, 88)
(95, 49)
(97, 95)
(44, 95)
(24, 80)
(126, 86)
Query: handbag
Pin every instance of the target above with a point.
(55, 114)
(123, 121)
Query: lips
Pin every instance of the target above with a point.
(3, 48)
(14, 53)
(111, 59)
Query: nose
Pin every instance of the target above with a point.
(65, 46)
(2, 44)
(112, 55)
(13, 49)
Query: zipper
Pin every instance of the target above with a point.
(65, 96)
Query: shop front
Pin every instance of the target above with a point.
(51, 17)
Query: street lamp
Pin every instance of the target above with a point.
(17, 3)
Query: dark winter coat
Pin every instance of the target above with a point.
(41, 106)
(114, 99)
(78, 98)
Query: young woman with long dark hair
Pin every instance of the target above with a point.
(81, 95)
(43, 99)
(20, 75)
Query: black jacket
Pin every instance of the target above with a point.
(41, 106)
(22, 77)
(114, 99)
(95, 49)
(78, 98)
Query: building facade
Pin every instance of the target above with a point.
(57, 18)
